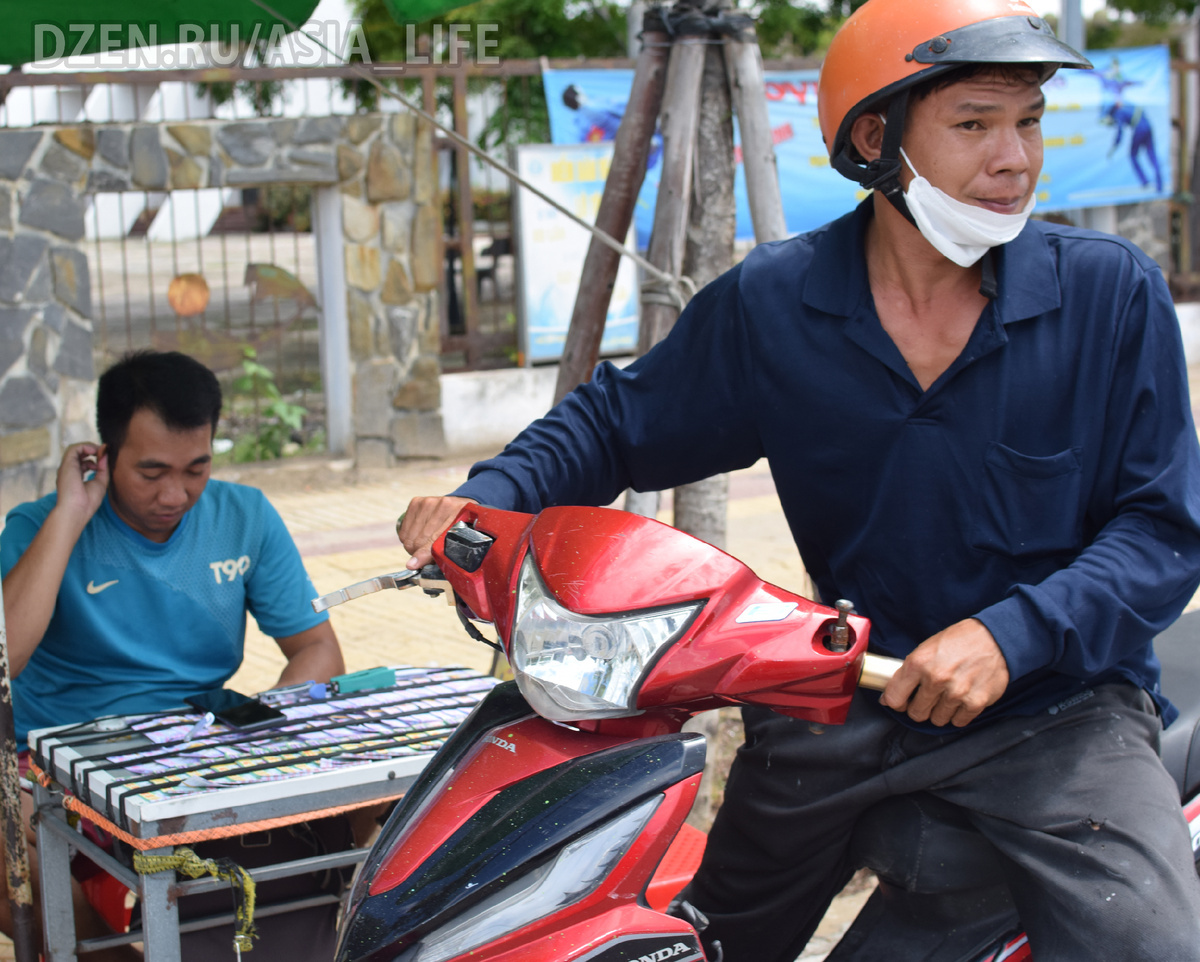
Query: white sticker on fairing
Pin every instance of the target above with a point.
(772, 611)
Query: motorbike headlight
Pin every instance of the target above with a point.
(571, 666)
(576, 872)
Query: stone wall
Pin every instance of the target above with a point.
(381, 165)
(1148, 224)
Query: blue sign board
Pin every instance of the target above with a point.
(553, 249)
(1107, 133)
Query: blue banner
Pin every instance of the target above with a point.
(1108, 131)
(1107, 134)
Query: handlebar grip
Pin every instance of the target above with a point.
(877, 671)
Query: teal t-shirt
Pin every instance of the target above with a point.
(139, 626)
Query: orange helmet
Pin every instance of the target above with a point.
(888, 46)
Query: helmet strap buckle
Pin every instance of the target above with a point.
(883, 173)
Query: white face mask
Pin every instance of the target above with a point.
(961, 232)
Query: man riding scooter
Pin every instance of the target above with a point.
(1009, 489)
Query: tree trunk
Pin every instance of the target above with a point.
(743, 60)
(631, 150)
(680, 110)
(701, 508)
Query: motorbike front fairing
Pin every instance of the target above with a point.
(535, 831)
(507, 845)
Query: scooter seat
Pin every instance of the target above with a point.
(1177, 648)
(925, 845)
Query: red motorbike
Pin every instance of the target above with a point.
(536, 831)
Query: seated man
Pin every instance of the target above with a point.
(127, 589)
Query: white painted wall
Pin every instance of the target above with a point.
(487, 409)
(1189, 326)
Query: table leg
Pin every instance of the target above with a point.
(160, 914)
(54, 863)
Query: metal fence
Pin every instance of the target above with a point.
(239, 294)
(492, 106)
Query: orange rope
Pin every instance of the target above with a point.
(188, 838)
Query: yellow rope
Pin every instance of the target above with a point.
(187, 862)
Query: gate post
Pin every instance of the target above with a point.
(334, 332)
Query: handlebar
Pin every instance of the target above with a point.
(877, 671)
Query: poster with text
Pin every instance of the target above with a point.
(1107, 134)
(553, 249)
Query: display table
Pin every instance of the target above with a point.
(162, 780)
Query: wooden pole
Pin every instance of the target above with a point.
(16, 855)
(701, 507)
(678, 121)
(743, 62)
(631, 149)
(680, 113)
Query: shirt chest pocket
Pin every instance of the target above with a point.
(1029, 507)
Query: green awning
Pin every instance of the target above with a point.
(60, 28)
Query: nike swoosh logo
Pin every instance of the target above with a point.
(95, 589)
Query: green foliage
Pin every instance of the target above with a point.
(787, 29)
(1103, 32)
(524, 29)
(1106, 29)
(515, 30)
(262, 94)
(1154, 11)
(839, 10)
(285, 206)
(278, 419)
(523, 119)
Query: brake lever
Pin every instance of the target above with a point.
(397, 579)
(429, 578)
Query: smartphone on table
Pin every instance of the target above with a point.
(236, 710)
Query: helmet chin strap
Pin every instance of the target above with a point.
(883, 173)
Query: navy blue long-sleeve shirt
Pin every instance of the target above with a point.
(1048, 483)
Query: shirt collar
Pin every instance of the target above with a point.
(837, 278)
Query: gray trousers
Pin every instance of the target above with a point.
(1076, 800)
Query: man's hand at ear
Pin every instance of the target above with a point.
(31, 587)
